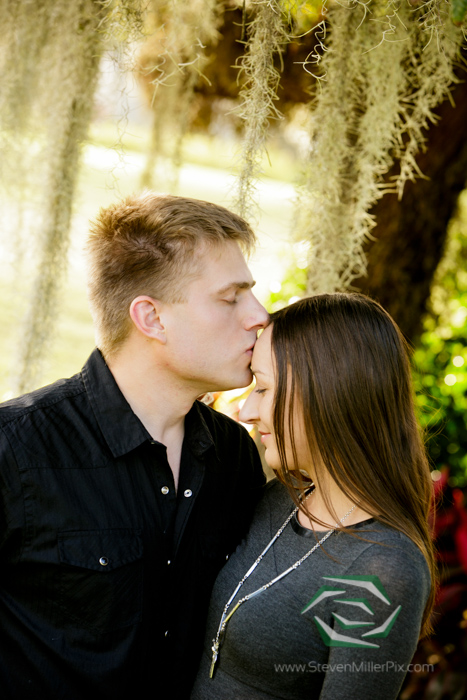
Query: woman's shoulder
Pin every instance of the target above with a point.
(393, 557)
(274, 506)
(389, 539)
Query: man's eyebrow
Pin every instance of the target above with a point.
(235, 286)
(255, 371)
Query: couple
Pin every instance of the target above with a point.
(122, 497)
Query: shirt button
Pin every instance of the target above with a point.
(103, 561)
(165, 490)
(166, 633)
(188, 493)
(168, 562)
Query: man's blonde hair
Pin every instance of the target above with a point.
(148, 244)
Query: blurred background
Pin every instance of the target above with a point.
(340, 138)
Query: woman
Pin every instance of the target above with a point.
(327, 595)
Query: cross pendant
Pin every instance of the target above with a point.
(215, 650)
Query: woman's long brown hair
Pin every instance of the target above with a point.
(342, 366)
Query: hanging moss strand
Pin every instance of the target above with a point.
(383, 68)
(267, 35)
(65, 132)
(182, 30)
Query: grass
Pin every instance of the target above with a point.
(198, 149)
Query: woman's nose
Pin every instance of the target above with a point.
(248, 412)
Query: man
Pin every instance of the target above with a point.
(121, 495)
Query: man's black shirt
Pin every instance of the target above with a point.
(106, 570)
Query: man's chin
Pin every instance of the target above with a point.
(238, 382)
(244, 381)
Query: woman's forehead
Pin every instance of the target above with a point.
(262, 361)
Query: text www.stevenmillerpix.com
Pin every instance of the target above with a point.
(354, 667)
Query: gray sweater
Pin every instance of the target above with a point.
(340, 628)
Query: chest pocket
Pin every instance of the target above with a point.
(101, 572)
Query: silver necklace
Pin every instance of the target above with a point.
(216, 643)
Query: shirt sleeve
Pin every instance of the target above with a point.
(11, 502)
(373, 635)
(252, 479)
(258, 477)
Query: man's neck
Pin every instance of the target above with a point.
(157, 399)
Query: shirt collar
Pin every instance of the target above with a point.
(122, 429)
(197, 433)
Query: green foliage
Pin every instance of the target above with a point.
(441, 358)
(293, 287)
(458, 11)
(441, 383)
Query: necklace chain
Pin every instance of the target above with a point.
(216, 643)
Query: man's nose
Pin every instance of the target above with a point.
(257, 317)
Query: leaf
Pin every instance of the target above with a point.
(458, 11)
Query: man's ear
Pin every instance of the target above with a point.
(145, 314)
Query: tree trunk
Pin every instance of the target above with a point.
(411, 233)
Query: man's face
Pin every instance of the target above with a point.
(210, 336)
